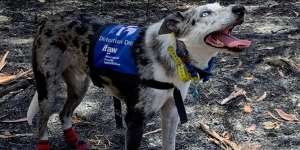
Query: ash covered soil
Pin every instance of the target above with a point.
(273, 26)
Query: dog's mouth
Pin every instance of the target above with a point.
(224, 39)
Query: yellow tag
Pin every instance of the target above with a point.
(181, 70)
(180, 67)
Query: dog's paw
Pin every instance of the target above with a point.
(43, 145)
(73, 141)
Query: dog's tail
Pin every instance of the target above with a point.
(33, 108)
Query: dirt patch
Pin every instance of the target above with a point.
(273, 26)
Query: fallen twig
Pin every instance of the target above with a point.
(296, 13)
(98, 141)
(274, 117)
(3, 116)
(6, 79)
(219, 143)
(108, 141)
(281, 120)
(237, 92)
(283, 62)
(224, 143)
(152, 132)
(262, 97)
(19, 85)
(292, 65)
(15, 135)
(271, 125)
(3, 60)
(250, 146)
(15, 121)
(286, 116)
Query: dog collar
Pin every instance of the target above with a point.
(194, 72)
(184, 68)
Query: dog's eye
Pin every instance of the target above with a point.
(205, 13)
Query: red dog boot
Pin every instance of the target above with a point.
(72, 140)
(43, 145)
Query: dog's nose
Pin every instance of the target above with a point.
(239, 10)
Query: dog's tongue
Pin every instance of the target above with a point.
(233, 42)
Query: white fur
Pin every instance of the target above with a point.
(44, 136)
(200, 53)
(67, 123)
(161, 96)
(169, 123)
(220, 18)
(33, 108)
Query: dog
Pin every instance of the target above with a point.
(62, 49)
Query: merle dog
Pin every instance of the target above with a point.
(61, 50)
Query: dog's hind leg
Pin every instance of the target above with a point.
(118, 113)
(77, 84)
(135, 125)
(46, 109)
(170, 120)
(47, 87)
(47, 90)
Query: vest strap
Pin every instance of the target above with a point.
(180, 106)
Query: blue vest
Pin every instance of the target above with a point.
(114, 47)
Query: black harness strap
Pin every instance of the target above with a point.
(157, 84)
(179, 105)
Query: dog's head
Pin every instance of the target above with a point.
(208, 27)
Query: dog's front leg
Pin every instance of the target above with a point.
(135, 125)
(170, 120)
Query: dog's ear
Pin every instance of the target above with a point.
(170, 23)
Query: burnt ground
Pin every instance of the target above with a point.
(273, 26)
